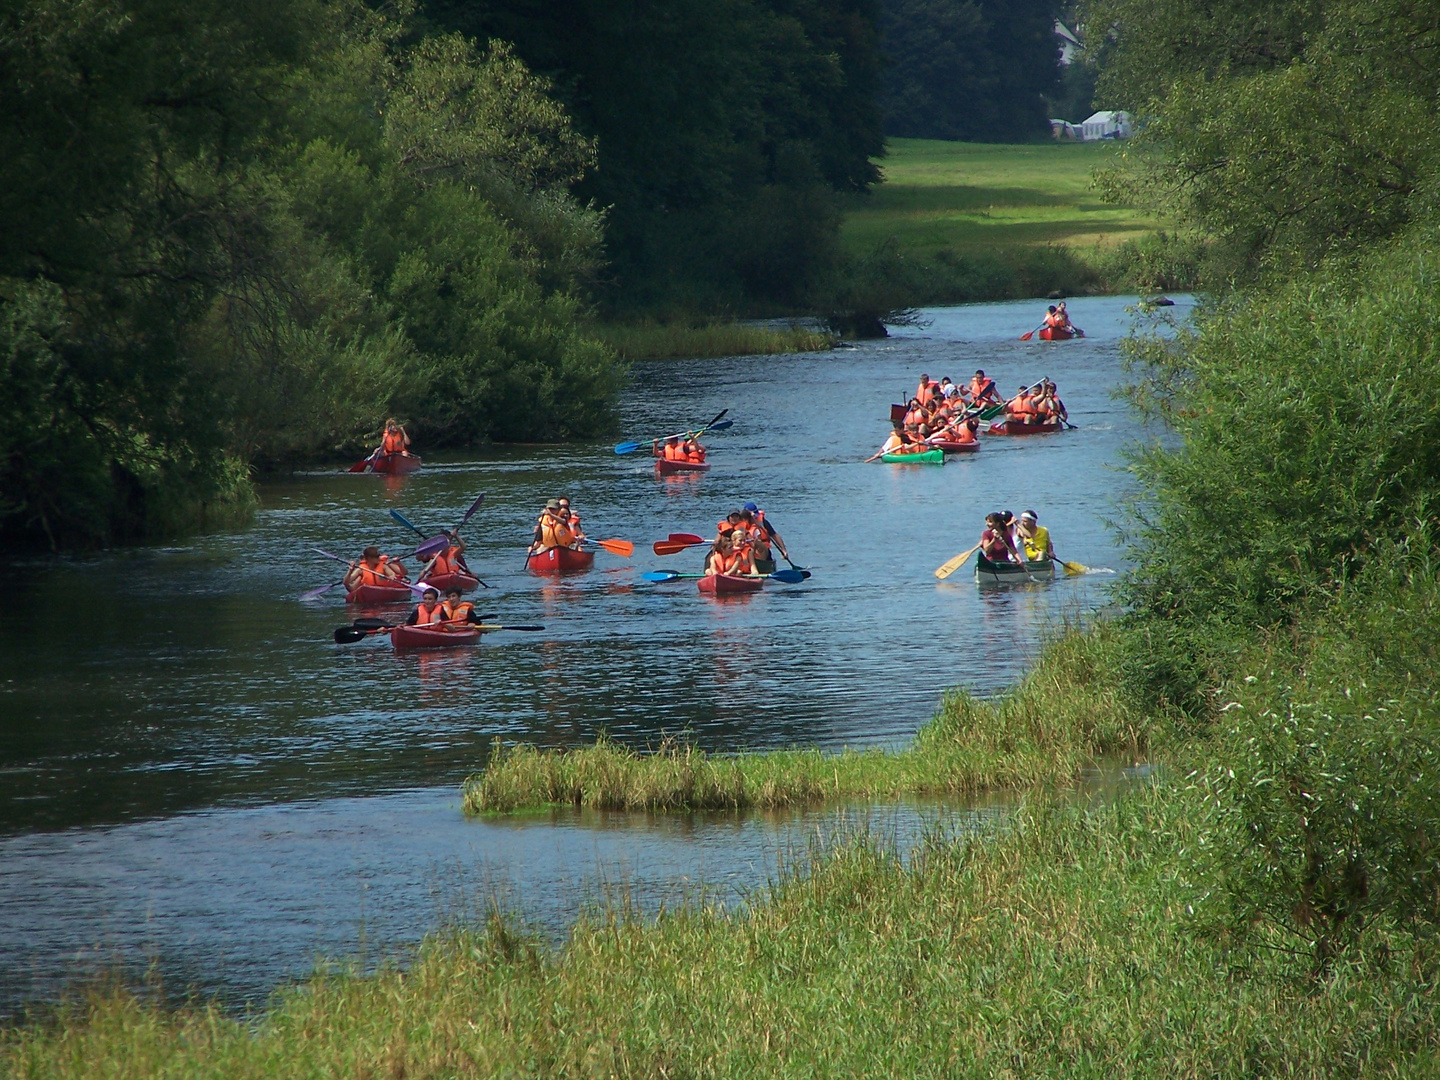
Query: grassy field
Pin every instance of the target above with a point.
(967, 197)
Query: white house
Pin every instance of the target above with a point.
(1106, 125)
(1069, 43)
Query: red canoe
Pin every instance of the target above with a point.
(668, 468)
(1051, 333)
(1014, 427)
(396, 464)
(457, 580)
(724, 584)
(378, 594)
(561, 560)
(951, 447)
(425, 637)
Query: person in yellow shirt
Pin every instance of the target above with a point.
(1035, 537)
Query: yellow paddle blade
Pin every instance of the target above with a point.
(1075, 568)
(954, 564)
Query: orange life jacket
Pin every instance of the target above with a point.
(1024, 405)
(693, 452)
(446, 563)
(393, 442)
(376, 576)
(978, 389)
(457, 613)
(426, 614)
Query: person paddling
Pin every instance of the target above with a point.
(983, 391)
(456, 609)
(764, 535)
(450, 559)
(996, 543)
(429, 612)
(551, 530)
(374, 569)
(571, 521)
(895, 442)
(395, 440)
(1034, 537)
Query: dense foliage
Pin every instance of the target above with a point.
(973, 70)
(1284, 131)
(724, 130)
(244, 232)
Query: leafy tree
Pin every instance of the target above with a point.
(974, 70)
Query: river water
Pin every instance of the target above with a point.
(197, 778)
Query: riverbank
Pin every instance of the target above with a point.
(1072, 943)
(706, 339)
(1060, 718)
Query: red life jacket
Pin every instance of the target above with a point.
(426, 614)
(376, 576)
(393, 442)
(458, 613)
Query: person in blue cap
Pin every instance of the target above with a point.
(762, 536)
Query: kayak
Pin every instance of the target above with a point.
(666, 467)
(1015, 427)
(378, 594)
(1055, 333)
(424, 637)
(925, 457)
(1008, 573)
(952, 447)
(458, 580)
(726, 584)
(562, 560)
(396, 464)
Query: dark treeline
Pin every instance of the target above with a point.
(242, 233)
(725, 130)
(972, 70)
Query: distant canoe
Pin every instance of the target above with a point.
(665, 467)
(458, 580)
(1015, 427)
(924, 457)
(1055, 333)
(1008, 573)
(396, 464)
(561, 560)
(952, 447)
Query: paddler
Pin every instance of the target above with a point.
(451, 559)
(1034, 537)
(571, 518)
(374, 569)
(429, 612)
(894, 443)
(551, 531)
(456, 609)
(1051, 403)
(395, 440)
(1022, 407)
(1062, 317)
(762, 536)
(996, 543)
(982, 391)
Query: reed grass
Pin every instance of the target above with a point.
(1070, 944)
(681, 340)
(1047, 730)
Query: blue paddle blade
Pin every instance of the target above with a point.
(659, 575)
(789, 577)
(721, 426)
(431, 546)
(469, 513)
(403, 520)
(626, 447)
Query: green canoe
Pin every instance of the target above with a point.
(1008, 573)
(925, 457)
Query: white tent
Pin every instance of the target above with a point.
(1106, 125)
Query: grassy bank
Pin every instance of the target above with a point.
(1071, 944)
(1045, 731)
(682, 340)
(957, 222)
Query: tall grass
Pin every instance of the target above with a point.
(1045, 731)
(682, 340)
(1070, 944)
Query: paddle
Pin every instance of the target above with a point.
(714, 425)
(995, 410)
(623, 548)
(413, 587)
(1032, 333)
(686, 538)
(788, 577)
(361, 465)
(674, 547)
(947, 568)
(358, 631)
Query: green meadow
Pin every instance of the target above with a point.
(971, 197)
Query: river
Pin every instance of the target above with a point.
(199, 779)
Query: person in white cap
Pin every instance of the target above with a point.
(1035, 537)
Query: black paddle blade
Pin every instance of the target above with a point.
(371, 624)
(508, 627)
(347, 635)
